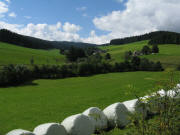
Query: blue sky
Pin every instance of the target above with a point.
(80, 12)
(93, 21)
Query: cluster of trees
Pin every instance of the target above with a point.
(159, 37)
(95, 64)
(138, 64)
(166, 38)
(75, 53)
(146, 50)
(15, 75)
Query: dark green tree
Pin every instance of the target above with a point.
(108, 56)
(135, 62)
(32, 61)
(128, 55)
(146, 50)
(155, 49)
(74, 53)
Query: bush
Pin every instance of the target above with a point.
(146, 50)
(128, 55)
(178, 68)
(15, 75)
(155, 49)
(107, 56)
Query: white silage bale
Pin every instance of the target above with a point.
(50, 129)
(136, 106)
(20, 132)
(78, 124)
(170, 93)
(117, 115)
(161, 93)
(97, 117)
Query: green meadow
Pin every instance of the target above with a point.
(11, 54)
(169, 54)
(45, 101)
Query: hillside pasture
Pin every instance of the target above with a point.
(169, 54)
(11, 54)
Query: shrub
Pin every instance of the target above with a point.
(178, 68)
(155, 49)
(128, 55)
(15, 75)
(107, 56)
(146, 50)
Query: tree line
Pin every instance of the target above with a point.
(158, 37)
(95, 64)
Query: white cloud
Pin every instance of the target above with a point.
(58, 32)
(8, 1)
(84, 15)
(93, 38)
(3, 9)
(141, 16)
(12, 14)
(71, 28)
(81, 8)
(27, 17)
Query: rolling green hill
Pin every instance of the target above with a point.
(11, 54)
(169, 54)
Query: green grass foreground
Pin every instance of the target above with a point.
(169, 55)
(53, 100)
(11, 54)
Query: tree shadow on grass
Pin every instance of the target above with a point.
(29, 83)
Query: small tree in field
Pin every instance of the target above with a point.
(128, 55)
(155, 49)
(108, 56)
(146, 50)
(32, 61)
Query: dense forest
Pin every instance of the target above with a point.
(158, 37)
(35, 43)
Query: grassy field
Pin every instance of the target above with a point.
(53, 100)
(169, 54)
(11, 54)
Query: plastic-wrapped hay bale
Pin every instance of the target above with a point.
(161, 93)
(136, 106)
(20, 132)
(50, 129)
(79, 124)
(117, 115)
(97, 117)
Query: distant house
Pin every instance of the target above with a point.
(137, 53)
(99, 51)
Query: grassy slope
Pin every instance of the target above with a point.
(11, 54)
(53, 100)
(169, 54)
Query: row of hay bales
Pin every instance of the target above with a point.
(94, 120)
